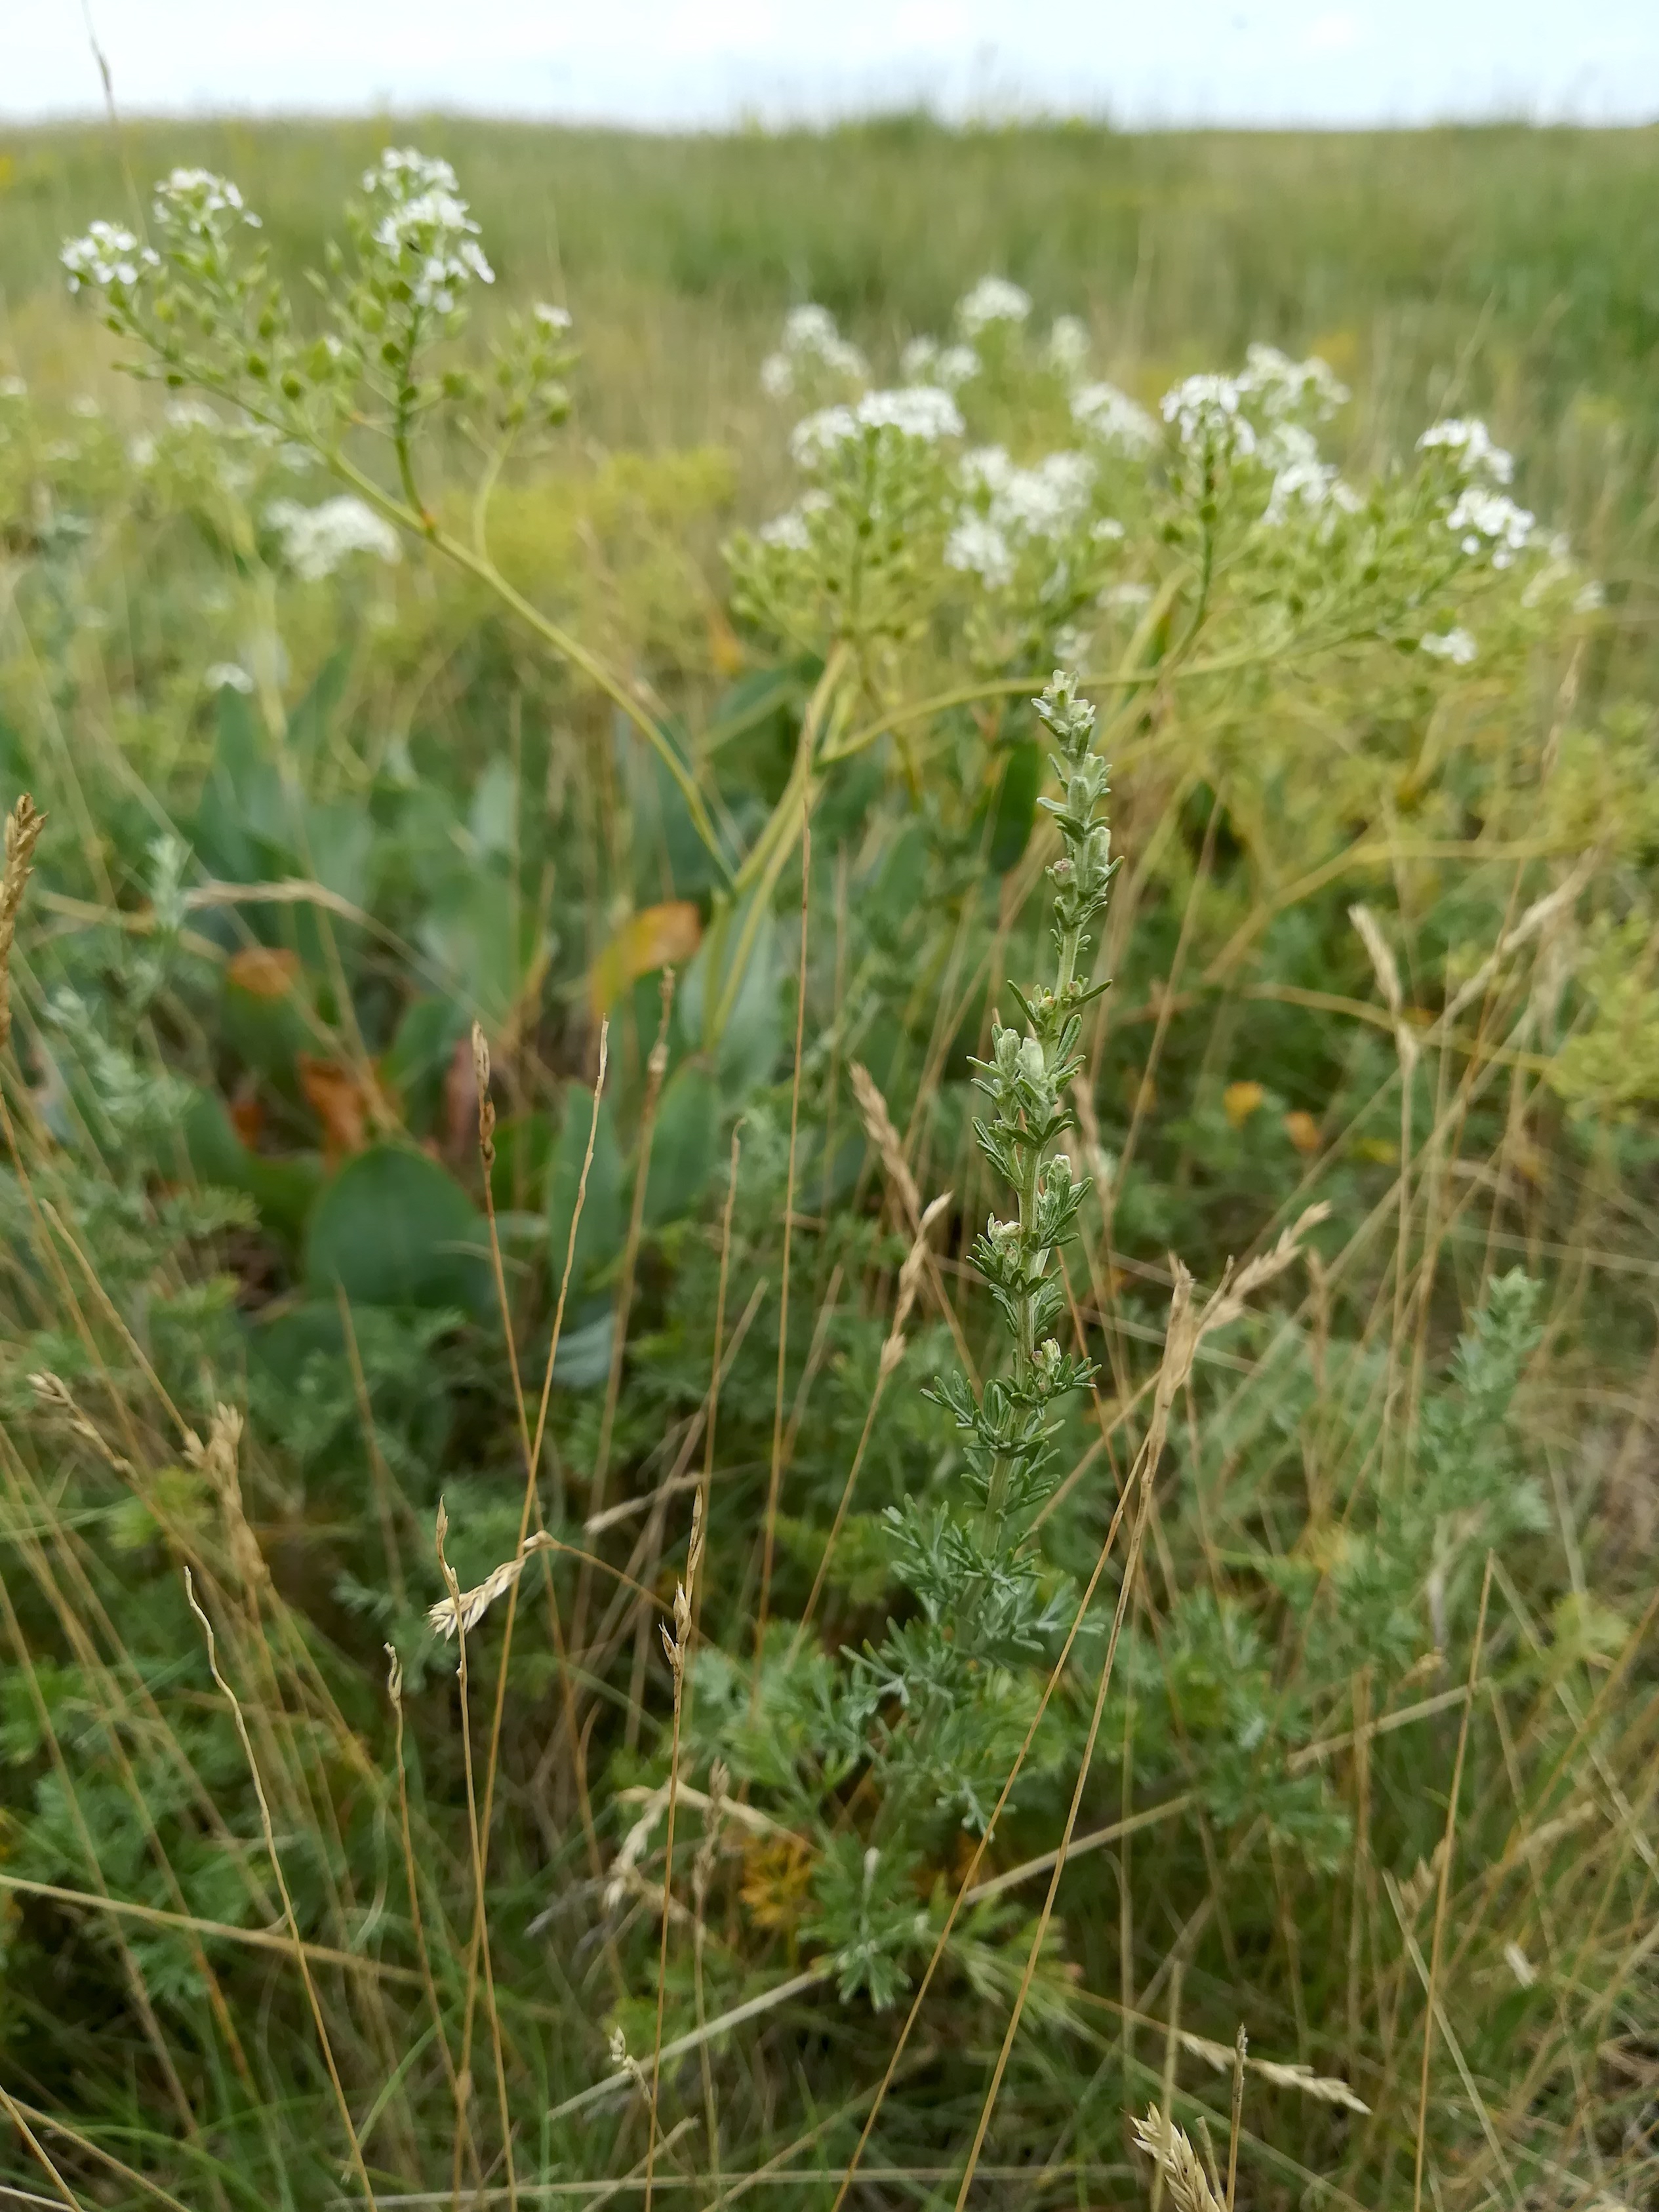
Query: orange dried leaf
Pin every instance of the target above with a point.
(1302, 1130)
(1240, 1100)
(263, 972)
(656, 937)
(247, 1116)
(340, 1101)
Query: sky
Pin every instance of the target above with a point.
(666, 63)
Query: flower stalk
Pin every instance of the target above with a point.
(1010, 1427)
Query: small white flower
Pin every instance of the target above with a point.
(818, 434)
(919, 361)
(1069, 347)
(919, 410)
(811, 344)
(141, 451)
(403, 170)
(1205, 410)
(1483, 521)
(1127, 598)
(1042, 502)
(1284, 386)
(228, 675)
(317, 540)
(13, 387)
(86, 407)
(787, 530)
(978, 548)
(191, 414)
(106, 256)
(1456, 646)
(993, 300)
(1470, 443)
(957, 365)
(550, 317)
(1112, 417)
(1590, 598)
(427, 231)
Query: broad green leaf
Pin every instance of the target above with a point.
(393, 1229)
(683, 1144)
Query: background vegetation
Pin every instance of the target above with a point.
(1377, 1772)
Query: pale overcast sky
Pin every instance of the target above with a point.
(710, 62)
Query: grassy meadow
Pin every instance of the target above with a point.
(640, 1555)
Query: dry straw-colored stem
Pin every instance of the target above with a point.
(23, 827)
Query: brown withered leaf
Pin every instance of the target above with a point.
(339, 1099)
(264, 972)
(247, 1114)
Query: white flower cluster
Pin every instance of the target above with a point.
(550, 317)
(1014, 506)
(917, 410)
(107, 254)
(317, 540)
(1471, 444)
(1284, 386)
(1204, 410)
(993, 300)
(1456, 646)
(196, 198)
(1301, 479)
(924, 361)
(1068, 347)
(428, 232)
(789, 529)
(811, 344)
(1490, 521)
(228, 675)
(1112, 417)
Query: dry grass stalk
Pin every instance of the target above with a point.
(55, 1397)
(23, 827)
(217, 1458)
(1326, 2087)
(1177, 2162)
(878, 1125)
(486, 1104)
(1535, 922)
(1387, 981)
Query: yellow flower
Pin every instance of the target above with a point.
(1240, 1100)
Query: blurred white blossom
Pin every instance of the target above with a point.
(916, 410)
(993, 300)
(1111, 415)
(811, 347)
(1483, 520)
(228, 675)
(107, 253)
(1041, 502)
(1069, 347)
(1285, 386)
(1470, 443)
(428, 232)
(1457, 646)
(317, 540)
(198, 195)
(978, 547)
(1205, 410)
